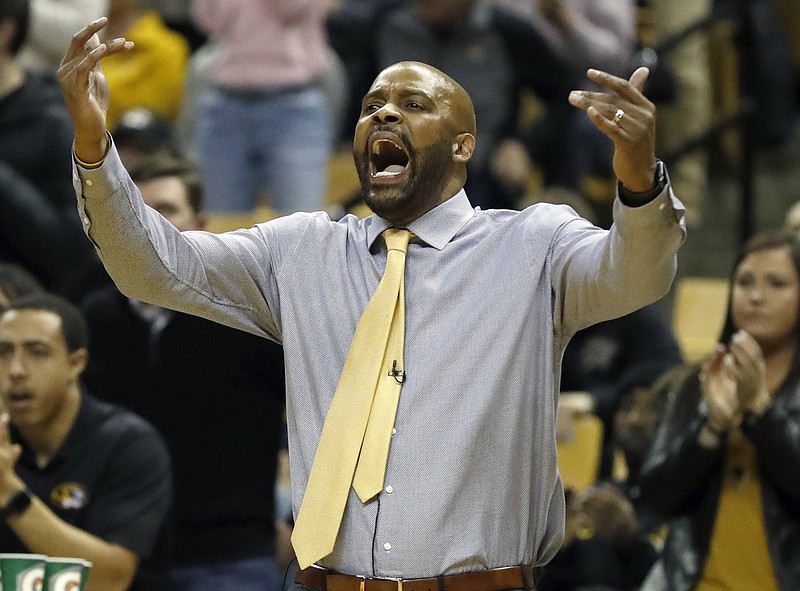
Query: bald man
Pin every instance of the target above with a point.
(471, 497)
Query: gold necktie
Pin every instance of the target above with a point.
(361, 414)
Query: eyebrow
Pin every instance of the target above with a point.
(402, 92)
(28, 343)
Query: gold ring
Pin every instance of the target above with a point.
(619, 115)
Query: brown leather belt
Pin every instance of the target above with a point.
(494, 579)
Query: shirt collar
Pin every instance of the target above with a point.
(83, 427)
(436, 227)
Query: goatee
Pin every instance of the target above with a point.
(428, 171)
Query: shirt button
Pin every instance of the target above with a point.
(662, 206)
(387, 546)
(394, 431)
(389, 489)
(86, 220)
(89, 182)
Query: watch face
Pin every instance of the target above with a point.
(661, 174)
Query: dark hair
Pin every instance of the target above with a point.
(161, 165)
(687, 392)
(73, 323)
(767, 240)
(15, 282)
(19, 12)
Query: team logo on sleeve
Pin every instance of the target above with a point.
(70, 495)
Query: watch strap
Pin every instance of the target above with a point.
(17, 504)
(634, 199)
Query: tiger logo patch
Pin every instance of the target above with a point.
(70, 495)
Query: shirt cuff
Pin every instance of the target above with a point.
(93, 165)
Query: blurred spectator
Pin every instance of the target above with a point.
(39, 227)
(496, 56)
(197, 83)
(139, 133)
(725, 462)
(597, 34)
(52, 24)
(152, 74)
(78, 477)
(198, 382)
(177, 15)
(263, 127)
(600, 358)
(640, 406)
(15, 282)
(603, 548)
(764, 87)
(688, 114)
(767, 69)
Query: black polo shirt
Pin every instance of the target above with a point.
(111, 478)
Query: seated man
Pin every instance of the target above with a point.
(154, 362)
(78, 477)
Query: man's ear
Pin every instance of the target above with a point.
(78, 359)
(463, 146)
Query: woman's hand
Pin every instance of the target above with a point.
(751, 381)
(718, 383)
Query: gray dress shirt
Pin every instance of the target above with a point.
(492, 299)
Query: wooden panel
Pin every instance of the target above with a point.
(699, 314)
(579, 437)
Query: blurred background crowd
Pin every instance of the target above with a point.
(230, 112)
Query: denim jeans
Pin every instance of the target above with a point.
(252, 574)
(273, 143)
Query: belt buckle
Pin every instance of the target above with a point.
(362, 583)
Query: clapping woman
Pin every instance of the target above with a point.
(725, 465)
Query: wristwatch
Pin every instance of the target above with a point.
(17, 504)
(659, 183)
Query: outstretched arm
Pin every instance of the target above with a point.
(85, 89)
(600, 275)
(220, 277)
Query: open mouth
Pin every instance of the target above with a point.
(19, 399)
(388, 158)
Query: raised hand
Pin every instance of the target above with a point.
(9, 454)
(718, 385)
(752, 390)
(628, 119)
(85, 88)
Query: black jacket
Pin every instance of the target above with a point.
(682, 480)
(39, 225)
(216, 394)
